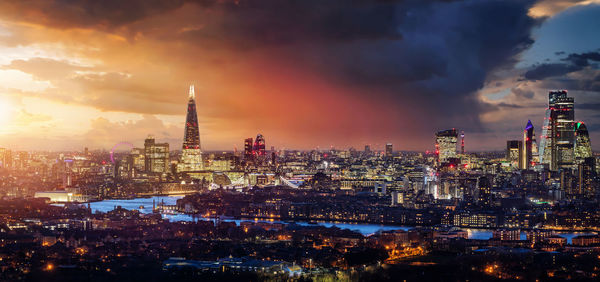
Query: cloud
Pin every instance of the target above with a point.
(24, 118)
(548, 8)
(572, 63)
(106, 14)
(543, 71)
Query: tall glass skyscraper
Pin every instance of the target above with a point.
(558, 135)
(583, 147)
(191, 154)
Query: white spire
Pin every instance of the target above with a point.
(192, 93)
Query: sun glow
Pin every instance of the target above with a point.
(5, 110)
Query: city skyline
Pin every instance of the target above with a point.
(93, 80)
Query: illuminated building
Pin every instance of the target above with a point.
(528, 142)
(462, 142)
(259, 146)
(484, 196)
(389, 150)
(191, 154)
(585, 179)
(558, 135)
(514, 148)
(248, 152)
(583, 147)
(156, 156)
(445, 145)
(137, 159)
(5, 158)
(55, 196)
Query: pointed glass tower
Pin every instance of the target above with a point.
(528, 142)
(191, 155)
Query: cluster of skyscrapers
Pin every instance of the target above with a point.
(564, 143)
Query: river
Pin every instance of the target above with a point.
(144, 205)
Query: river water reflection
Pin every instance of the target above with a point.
(144, 205)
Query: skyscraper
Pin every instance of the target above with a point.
(156, 156)
(585, 179)
(191, 154)
(462, 142)
(583, 147)
(558, 136)
(484, 192)
(514, 149)
(389, 150)
(248, 151)
(528, 139)
(259, 145)
(445, 144)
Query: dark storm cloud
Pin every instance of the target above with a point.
(427, 55)
(543, 71)
(572, 63)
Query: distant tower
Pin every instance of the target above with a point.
(156, 156)
(514, 149)
(191, 155)
(389, 150)
(583, 147)
(528, 139)
(445, 145)
(462, 142)
(558, 136)
(248, 151)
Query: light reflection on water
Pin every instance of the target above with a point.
(144, 205)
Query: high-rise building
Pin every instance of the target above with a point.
(367, 149)
(259, 145)
(558, 134)
(462, 142)
(389, 150)
(484, 189)
(583, 147)
(445, 144)
(191, 154)
(585, 179)
(156, 156)
(528, 142)
(248, 151)
(514, 148)
(5, 158)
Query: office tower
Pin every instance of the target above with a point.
(527, 153)
(5, 158)
(484, 195)
(445, 144)
(389, 150)
(585, 179)
(513, 152)
(156, 156)
(462, 142)
(259, 145)
(248, 151)
(367, 149)
(558, 135)
(583, 147)
(191, 154)
(137, 159)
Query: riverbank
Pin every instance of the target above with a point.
(144, 205)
